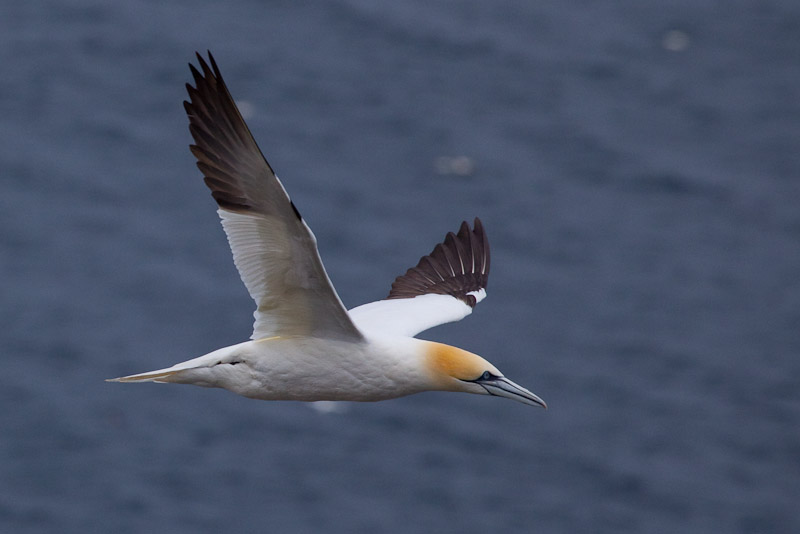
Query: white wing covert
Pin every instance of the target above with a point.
(444, 287)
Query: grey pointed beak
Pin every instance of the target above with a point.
(501, 386)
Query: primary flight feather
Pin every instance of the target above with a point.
(305, 345)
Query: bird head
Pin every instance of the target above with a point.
(454, 369)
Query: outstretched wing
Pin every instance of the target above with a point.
(273, 248)
(443, 287)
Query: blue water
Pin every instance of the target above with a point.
(637, 168)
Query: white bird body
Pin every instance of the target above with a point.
(310, 369)
(305, 346)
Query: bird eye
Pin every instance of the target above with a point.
(486, 375)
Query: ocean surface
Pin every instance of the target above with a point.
(636, 165)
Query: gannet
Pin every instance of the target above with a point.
(305, 345)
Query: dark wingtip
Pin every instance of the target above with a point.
(213, 64)
(223, 143)
(457, 266)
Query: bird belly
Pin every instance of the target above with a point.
(307, 369)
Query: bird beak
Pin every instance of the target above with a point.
(501, 386)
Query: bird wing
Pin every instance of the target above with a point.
(273, 248)
(444, 287)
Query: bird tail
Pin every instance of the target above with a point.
(162, 375)
(176, 372)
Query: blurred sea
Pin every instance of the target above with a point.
(636, 165)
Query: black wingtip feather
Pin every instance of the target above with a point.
(232, 161)
(457, 266)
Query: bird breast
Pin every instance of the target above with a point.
(310, 369)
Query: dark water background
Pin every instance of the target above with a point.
(636, 165)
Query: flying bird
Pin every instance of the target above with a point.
(306, 345)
